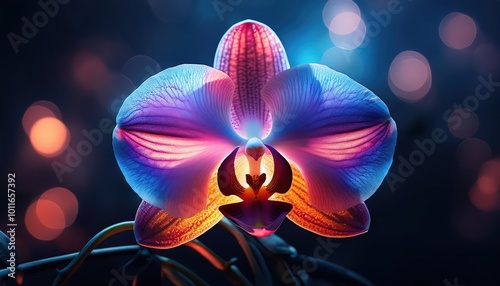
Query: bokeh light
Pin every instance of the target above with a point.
(65, 200)
(343, 19)
(49, 136)
(410, 77)
(37, 111)
(90, 73)
(333, 8)
(36, 228)
(457, 30)
(463, 123)
(472, 152)
(486, 59)
(50, 214)
(345, 23)
(485, 194)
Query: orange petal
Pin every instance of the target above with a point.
(346, 223)
(155, 228)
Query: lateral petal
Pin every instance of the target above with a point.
(338, 133)
(156, 228)
(171, 134)
(346, 223)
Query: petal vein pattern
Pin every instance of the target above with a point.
(171, 134)
(250, 53)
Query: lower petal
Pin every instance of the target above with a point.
(155, 228)
(258, 218)
(346, 223)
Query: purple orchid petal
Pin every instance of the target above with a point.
(171, 134)
(257, 217)
(339, 134)
(250, 53)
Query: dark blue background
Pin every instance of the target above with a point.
(424, 232)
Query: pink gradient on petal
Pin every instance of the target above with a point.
(262, 232)
(457, 30)
(345, 146)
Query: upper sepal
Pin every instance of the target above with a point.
(250, 53)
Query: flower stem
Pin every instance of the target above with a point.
(169, 263)
(226, 266)
(49, 263)
(66, 272)
(258, 275)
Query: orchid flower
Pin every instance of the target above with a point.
(253, 140)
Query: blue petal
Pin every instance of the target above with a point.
(171, 134)
(338, 133)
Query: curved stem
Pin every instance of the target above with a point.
(170, 263)
(49, 263)
(227, 225)
(219, 263)
(66, 273)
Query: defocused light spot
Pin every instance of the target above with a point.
(473, 152)
(50, 214)
(343, 20)
(487, 59)
(90, 73)
(350, 41)
(345, 61)
(139, 68)
(333, 8)
(457, 30)
(49, 136)
(35, 226)
(485, 194)
(463, 123)
(410, 76)
(472, 224)
(487, 202)
(345, 23)
(37, 111)
(65, 200)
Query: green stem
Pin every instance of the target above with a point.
(219, 263)
(66, 273)
(51, 262)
